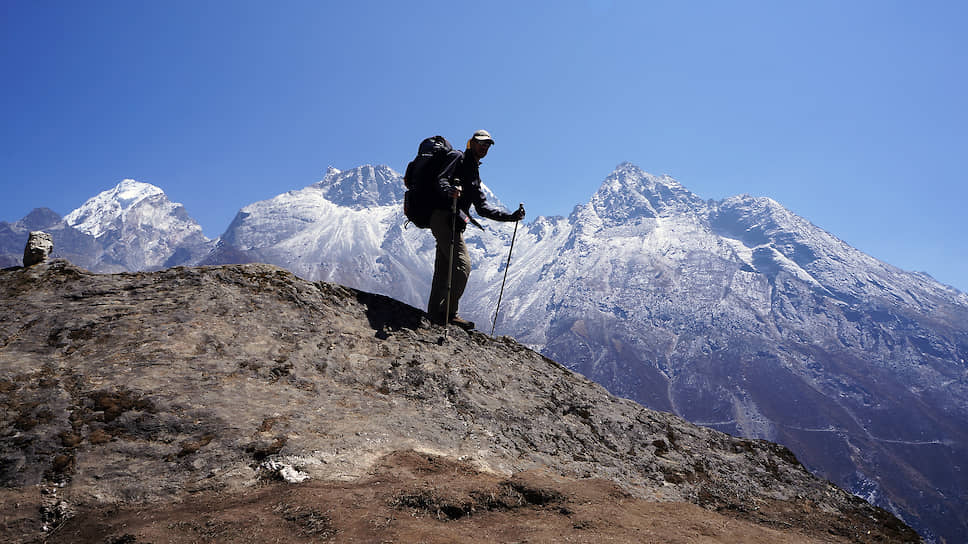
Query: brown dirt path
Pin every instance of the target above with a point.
(416, 498)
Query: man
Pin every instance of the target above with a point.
(460, 180)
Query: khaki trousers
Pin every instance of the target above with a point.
(441, 224)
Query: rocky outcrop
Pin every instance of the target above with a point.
(121, 390)
(38, 249)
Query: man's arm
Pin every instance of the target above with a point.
(487, 211)
(445, 180)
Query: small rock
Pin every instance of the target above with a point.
(285, 472)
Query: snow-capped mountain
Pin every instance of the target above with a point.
(109, 209)
(736, 314)
(132, 226)
(360, 241)
(139, 228)
(742, 316)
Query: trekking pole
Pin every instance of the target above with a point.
(506, 267)
(450, 263)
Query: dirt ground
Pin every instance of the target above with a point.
(416, 498)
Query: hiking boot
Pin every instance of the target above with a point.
(462, 323)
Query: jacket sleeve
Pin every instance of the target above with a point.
(486, 210)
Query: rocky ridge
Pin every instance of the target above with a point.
(127, 389)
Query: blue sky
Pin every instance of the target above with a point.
(850, 113)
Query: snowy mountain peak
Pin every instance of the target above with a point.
(130, 192)
(629, 193)
(138, 227)
(96, 215)
(362, 187)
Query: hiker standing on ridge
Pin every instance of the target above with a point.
(460, 181)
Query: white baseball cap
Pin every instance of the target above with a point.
(483, 136)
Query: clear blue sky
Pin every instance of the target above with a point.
(850, 113)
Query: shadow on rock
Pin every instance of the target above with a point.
(386, 314)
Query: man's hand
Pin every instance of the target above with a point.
(518, 214)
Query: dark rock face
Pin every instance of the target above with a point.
(121, 389)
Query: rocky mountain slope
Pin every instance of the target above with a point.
(162, 406)
(736, 314)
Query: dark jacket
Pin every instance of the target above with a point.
(463, 171)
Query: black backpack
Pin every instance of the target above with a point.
(422, 197)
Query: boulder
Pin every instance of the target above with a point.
(39, 247)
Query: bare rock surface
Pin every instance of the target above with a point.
(197, 393)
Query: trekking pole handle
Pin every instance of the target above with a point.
(455, 189)
(520, 209)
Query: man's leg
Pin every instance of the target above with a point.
(462, 271)
(440, 226)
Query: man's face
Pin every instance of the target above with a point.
(480, 148)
